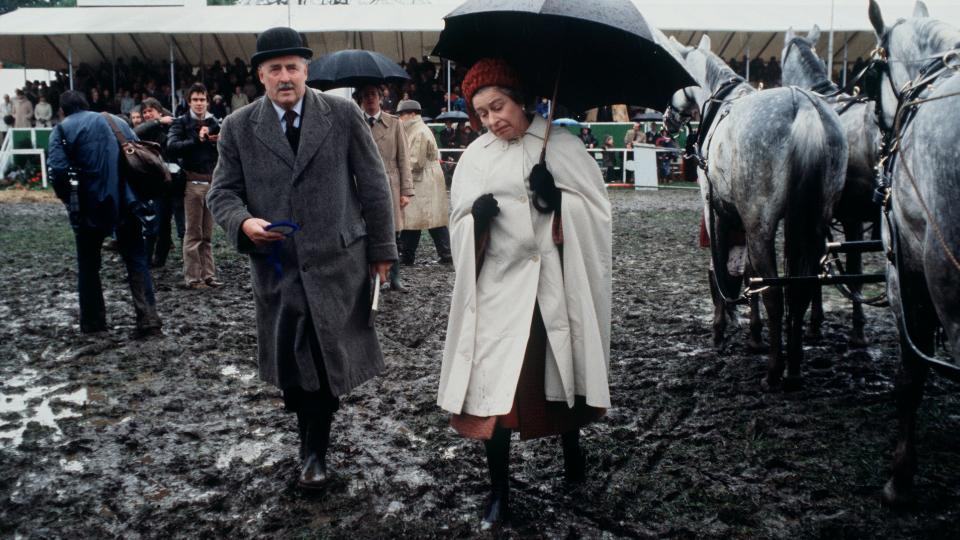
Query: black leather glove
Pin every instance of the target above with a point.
(546, 196)
(485, 208)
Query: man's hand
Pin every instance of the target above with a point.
(255, 229)
(213, 138)
(404, 201)
(166, 120)
(204, 132)
(382, 268)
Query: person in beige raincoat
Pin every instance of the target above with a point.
(388, 134)
(430, 209)
(528, 338)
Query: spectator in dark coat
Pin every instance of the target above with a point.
(586, 135)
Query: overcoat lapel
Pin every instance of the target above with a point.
(270, 134)
(314, 129)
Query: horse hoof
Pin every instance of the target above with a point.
(792, 384)
(857, 342)
(895, 498)
(757, 346)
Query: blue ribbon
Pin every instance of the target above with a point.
(275, 252)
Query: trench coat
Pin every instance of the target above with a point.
(430, 208)
(491, 314)
(22, 113)
(336, 190)
(392, 143)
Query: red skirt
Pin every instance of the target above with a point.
(532, 415)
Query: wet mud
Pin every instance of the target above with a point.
(177, 437)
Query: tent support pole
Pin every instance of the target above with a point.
(830, 43)
(746, 60)
(113, 62)
(844, 85)
(70, 61)
(173, 84)
(448, 87)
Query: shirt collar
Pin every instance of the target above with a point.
(376, 117)
(537, 128)
(298, 108)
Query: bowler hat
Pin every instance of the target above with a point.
(279, 41)
(408, 105)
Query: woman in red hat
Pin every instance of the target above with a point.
(528, 340)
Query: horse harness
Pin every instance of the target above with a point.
(711, 113)
(909, 98)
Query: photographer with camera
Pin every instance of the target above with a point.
(83, 162)
(193, 140)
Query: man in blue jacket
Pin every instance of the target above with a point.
(83, 163)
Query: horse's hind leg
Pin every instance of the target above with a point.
(755, 341)
(852, 231)
(798, 300)
(815, 330)
(763, 256)
(719, 310)
(911, 376)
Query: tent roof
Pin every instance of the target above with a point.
(41, 37)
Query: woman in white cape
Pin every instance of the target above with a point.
(528, 339)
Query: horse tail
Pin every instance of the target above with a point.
(808, 164)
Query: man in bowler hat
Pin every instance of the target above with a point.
(300, 188)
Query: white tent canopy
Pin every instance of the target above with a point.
(49, 37)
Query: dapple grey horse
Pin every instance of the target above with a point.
(803, 68)
(922, 223)
(771, 155)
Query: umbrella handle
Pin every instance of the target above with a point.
(553, 108)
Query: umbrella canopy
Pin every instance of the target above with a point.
(565, 122)
(353, 68)
(603, 50)
(456, 116)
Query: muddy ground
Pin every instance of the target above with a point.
(176, 437)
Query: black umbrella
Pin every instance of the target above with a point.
(596, 52)
(353, 68)
(455, 116)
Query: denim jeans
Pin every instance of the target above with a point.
(130, 245)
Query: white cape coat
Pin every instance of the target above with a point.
(490, 316)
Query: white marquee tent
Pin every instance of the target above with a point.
(197, 34)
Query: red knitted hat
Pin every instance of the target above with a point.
(487, 72)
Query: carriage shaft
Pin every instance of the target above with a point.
(858, 246)
(846, 279)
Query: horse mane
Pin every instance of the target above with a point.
(718, 72)
(810, 61)
(935, 36)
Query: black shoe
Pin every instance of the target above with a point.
(397, 285)
(406, 262)
(314, 473)
(147, 333)
(496, 511)
(445, 259)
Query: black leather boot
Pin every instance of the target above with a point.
(496, 511)
(395, 283)
(314, 473)
(574, 460)
(302, 430)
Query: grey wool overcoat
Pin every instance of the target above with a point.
(336, 190)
